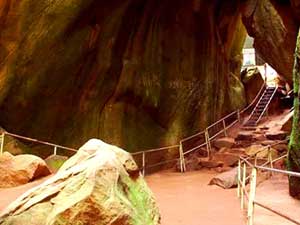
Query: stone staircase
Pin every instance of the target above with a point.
(261, 107)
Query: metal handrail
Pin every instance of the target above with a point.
(253, 183)
(261, 97)
(261, 115)
(276, 212)
(38, 141)
(193, 149)
(290, 173)
(255, 99)
(181, 152)
(238, 112)
(191, 137)
(156, 149)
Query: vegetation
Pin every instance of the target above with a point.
(294, 145)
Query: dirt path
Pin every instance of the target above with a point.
(274, 193)
(7, 195)
(186, 199)
(183, 199)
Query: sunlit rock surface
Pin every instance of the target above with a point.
(274, 26)
(101, 184)
(21, 169)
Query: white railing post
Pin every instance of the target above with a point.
(2, 143)
(238, 115)
(182, 160)
(225, 130)
(255, 160)
(239, 179)
(270, 158)
(251, 203)
(55, 150)
(144, 163)
(243, 186)
(207, 142)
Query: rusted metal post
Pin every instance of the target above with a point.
(251, 203)
(225, 130)
(2, 143)
(144, 163)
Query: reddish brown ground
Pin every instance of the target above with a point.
(274, 193)
(7, 195)
(186, 199)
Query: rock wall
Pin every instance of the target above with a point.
(136, 73)
(274, 26)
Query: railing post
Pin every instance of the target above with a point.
(238, 115)
(182, 162)
(144, 163)
(255, 160)
(2, 143)
(239, 179)
(251, 203)
(243, 186)
(270, 158)
(55, 150)
(207, 142)
(225, 130)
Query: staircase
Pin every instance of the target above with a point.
(261, 107)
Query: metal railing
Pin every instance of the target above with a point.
(55, 146)
(178, 152)
(199, 140)
(251, 163)
(194, 142)
(258, 96)
(189, 144)
(266, 107)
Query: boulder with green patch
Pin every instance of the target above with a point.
(100, 185)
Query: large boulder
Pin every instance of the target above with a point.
(225, 180)
(21, 169)
(260, 151)
(225, 142)
(253, 81)
(277, 135)
(244, 136)
(228, 159)
(101, 184)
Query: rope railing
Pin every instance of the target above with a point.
(250, 195)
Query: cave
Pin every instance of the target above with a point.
(145, 76)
